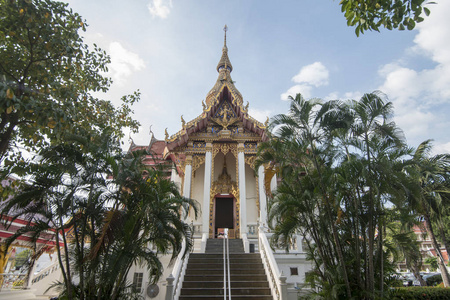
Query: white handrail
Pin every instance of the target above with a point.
(44, 272)
(224, 268)
(175, 279)
(228, 264)
(277, 280)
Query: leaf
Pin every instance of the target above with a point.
(411, 24)
(9, 110)
(51, 124)
(9, 94)
(426, 11)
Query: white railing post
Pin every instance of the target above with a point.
(299, 243)
(175, 279)
(283, 284)
(169, 287)
(270, 266)
(246, 243)
(203, 245)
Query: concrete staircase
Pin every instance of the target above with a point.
(204, 274)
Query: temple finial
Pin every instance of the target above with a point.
(224, 62)
(225, 28)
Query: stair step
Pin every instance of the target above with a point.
(219, 284)
(216, 266)
(233, 277)
(220, 272)
(204, 274)
(220, 291)
(232, 255)
(214, 297)
(218, 260)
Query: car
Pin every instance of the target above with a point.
(407, 279)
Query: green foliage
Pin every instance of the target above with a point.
(47, 76)
(105, 225)
(432, 261)
(342, 164)
(434, 280)
(421, 293)
(371, 15)
(22, 258)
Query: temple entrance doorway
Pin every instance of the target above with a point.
(224, 216)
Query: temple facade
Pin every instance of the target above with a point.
(213, 158)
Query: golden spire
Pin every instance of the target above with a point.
(224, 62)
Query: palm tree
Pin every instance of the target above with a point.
(106, 212)
(146, 223)
(340, 163)
(431, 174)
(301, 131)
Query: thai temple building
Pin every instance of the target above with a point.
(214, 156)
(213, 159)
(213, 162)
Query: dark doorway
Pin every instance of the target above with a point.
(224, 214)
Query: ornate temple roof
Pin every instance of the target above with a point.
(224, 119)
(223, 90)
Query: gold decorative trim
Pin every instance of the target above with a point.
(197, 161)
(250, 160)
(224, 185)
(224, 148)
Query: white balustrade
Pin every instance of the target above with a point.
(277, 280)
(175, 280)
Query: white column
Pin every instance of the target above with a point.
(187, 178)
(262, 198)
(206, 191)
(242, 191)
(273, 183)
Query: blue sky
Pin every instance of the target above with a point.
(169, 49)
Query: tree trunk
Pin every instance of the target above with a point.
(440, 259)
(444, 239)
(333, 226)
(5, 137)
(416, 271)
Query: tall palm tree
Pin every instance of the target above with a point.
(301, 131)
(146, 223)
(106, 212)
(431, 174)
(340, 162)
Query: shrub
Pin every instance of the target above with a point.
(421, 293)
(434, 280)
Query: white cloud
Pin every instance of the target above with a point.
(160, 8)
(434, 33)
(421, 97)
(123, 63)
(348, 95)
(260, 115)
(315, 74)
(441, 148)
(303, 89)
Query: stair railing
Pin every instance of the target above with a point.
(175, 280)
(277, 280)
(226, 267)
(228, 264)
(35, 278)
